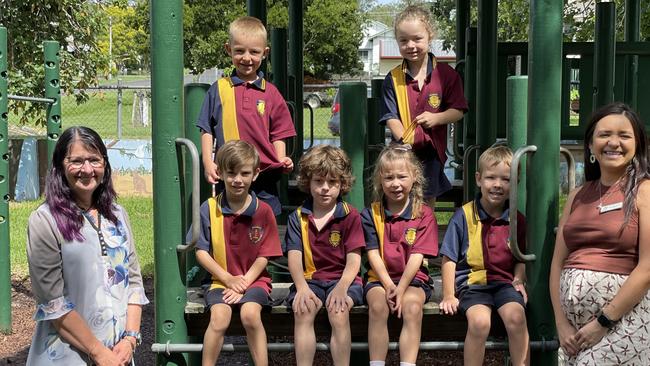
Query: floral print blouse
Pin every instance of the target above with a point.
(98, 281)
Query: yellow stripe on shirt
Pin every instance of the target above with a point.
(379, 219)
(398, 75)
(475, 259)
(310, 267)
(217, 238)
(229, 110)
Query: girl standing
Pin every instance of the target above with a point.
(400, 231)
(420, 97)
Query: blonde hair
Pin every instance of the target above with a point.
(236, 153)
(248, 27)
(391, 155)
(494, 156)
(325, 160)
(415, 12)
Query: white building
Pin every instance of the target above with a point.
(379, 52)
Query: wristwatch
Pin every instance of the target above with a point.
(134, 334)
(605, 322)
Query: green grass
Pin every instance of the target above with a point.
(140, 210)
(124, 79)
(321, 118)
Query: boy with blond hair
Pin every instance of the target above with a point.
(324, 240)
(238, 235)
(476, 254)
(245, 106)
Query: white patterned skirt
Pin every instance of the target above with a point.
(583, 293)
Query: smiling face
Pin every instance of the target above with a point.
(613, 143)
(238, 180)
(84, 171)
(397, 181)
(494, 181)
(413, 40)
(324, 190)
(247, 53)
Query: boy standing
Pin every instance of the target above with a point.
(475, 251)
(238, 235)
(324, 240)
(247, 107)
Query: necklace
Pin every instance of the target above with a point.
(611, 207)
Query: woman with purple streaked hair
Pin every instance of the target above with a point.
(82, 262)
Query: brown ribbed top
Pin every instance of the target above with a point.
(594, 239)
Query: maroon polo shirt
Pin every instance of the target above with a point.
(397, 231)
(262, 117)
(249, 235)
(442, 84)
(341, 235)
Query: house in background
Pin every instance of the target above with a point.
(379, 52)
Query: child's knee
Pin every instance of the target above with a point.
(250, 317)
(339, 320)
(479, 325)
(515, 320)
(412, 310)
(378, 309)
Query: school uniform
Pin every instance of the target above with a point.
(478, 244)
(397, 236)
(236, 241)
(254, 112)
(403, 99)
(324, 251)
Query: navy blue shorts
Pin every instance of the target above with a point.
(434, 174)
(322, 289)
(415, 283)
(252, 294)
(494, 295)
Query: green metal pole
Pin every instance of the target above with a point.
(279, 60)
(517, 124)
(167, 103)
(469, 120)
(257, 9)
(604, 54)
(544, 106)
(462, 22)
(353, 133)
(53, 91)
(296, 71)
(376, 135)
(632, 29)
(5, 258)
(486, 99)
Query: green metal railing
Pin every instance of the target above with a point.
(5, 262)
(52, 91)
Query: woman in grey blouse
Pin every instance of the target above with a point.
(82, 262)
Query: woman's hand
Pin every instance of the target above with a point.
(124, 351)
(102, 356)
(590, 334)
(566, 333)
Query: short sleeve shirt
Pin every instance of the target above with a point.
(495, 232)
(442, 90)
(262, 117)
(341, 235)
(403, 235)
(249, 235)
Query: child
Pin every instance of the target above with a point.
(400, 232)
(324, 241)
(247, 107)
(475, 248)
(420, 97)
(238, 234)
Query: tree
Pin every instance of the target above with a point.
(73, 23)
(126, 35)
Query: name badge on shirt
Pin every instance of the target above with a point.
(612, 207)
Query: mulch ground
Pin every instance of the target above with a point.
(14, 347)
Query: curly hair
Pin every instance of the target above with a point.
(391, 155)
(58, 195)
(325, 160)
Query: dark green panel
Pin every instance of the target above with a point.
(502, 75)
(619, 78)
(586, 89)
(566, 131)
(644, 85)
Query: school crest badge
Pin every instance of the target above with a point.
(335, 238)
(255, 234)
(434, 100)
(410, 235)
(261, 107)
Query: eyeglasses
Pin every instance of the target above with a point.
(78, 163)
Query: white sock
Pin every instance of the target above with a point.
(406, 364)
(377, 363)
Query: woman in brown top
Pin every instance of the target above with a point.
(600, 273)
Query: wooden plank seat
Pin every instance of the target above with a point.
(278, 320)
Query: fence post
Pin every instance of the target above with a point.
(53, 91)
(5, 263)
(119, 109)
